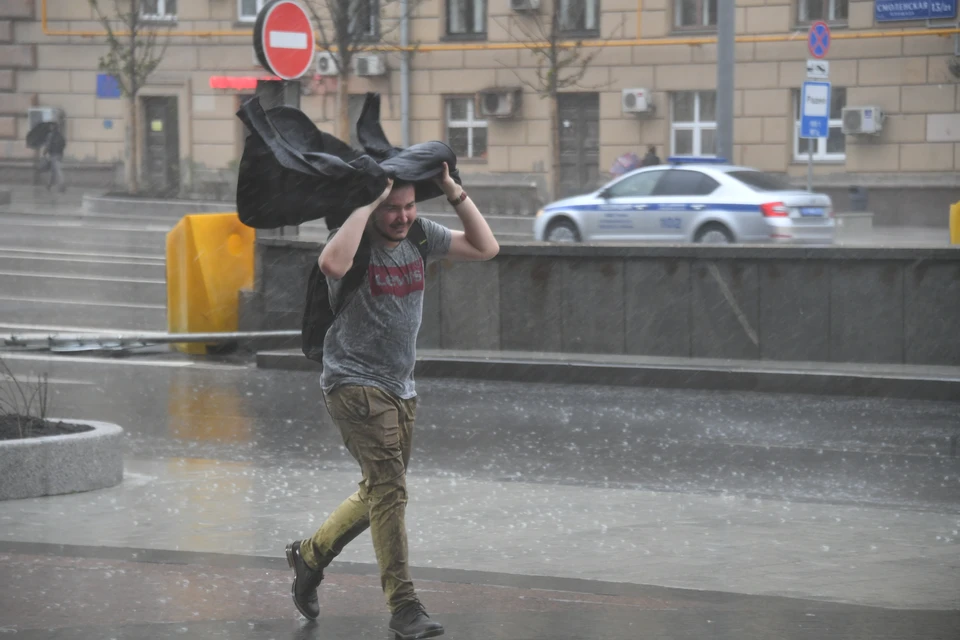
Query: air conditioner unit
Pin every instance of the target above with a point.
(636, 101)
(859, 120)
(327, 64)
(36, 115)
(499, 103)
(524, 5)
(369, 64)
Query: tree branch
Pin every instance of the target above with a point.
(566, 64)
(130, 60)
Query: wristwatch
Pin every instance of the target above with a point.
(459, 199)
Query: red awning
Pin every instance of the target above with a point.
(238, 82)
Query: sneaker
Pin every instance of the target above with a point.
(305, 583)
(411, 622)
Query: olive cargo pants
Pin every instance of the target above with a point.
(377, 429)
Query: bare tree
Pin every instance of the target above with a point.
(350, 27)
(23, 402)
(133, 54)
(562, 62)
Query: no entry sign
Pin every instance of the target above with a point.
(283, 39)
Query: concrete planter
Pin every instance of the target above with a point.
(52, 465)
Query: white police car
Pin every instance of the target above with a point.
(691, 200)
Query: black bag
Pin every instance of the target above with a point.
(291, 172)
(318, 312)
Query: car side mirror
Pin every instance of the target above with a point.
(605, 193)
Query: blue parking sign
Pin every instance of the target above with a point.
(815, 110)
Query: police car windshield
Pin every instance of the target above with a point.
(759, 181)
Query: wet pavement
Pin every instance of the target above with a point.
(60, 594)
(728, 514)
(537, 511)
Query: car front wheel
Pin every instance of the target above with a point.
(562, 231)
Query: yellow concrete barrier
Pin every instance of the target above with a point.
(955, 223)
(209, 260)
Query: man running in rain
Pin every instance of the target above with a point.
(53, 149)
(368, 359)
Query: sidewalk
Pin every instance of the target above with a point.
(903, 559)
(84, 593)
(503, 560)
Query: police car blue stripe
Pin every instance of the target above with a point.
(653, 206)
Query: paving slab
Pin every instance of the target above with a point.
(102, 593)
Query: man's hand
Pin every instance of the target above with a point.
(383, 196)
(337, 256)
(450, 188)
(476, 241)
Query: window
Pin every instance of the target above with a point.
(695, 14)
(760, 181)
(683, 182)
(466, 17)
(159, 9)
(364, 18)
(639, 185)
(830, 149)
(693, 126)
(579, 15)
(466, 135)
(247, 10)
(828, 10)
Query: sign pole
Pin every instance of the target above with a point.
(278, 93)
(726, 61)
(815, 122)
(284, 42)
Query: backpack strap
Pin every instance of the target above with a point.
(361, 261)
(418, 237)
(354, 277)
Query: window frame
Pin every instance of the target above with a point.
(584, 31)
(161, 15)
(471, 123)
(480, 34)
(702, 4)
(803, 13)
(696, 125)
(820, 153)
(253, 18)
(374, 33)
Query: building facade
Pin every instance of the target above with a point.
(49, 52)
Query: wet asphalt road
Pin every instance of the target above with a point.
(871, 451)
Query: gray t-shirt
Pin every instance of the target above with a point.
(373, 341)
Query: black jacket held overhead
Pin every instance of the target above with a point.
(291, 172)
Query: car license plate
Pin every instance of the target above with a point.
(811, 211)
